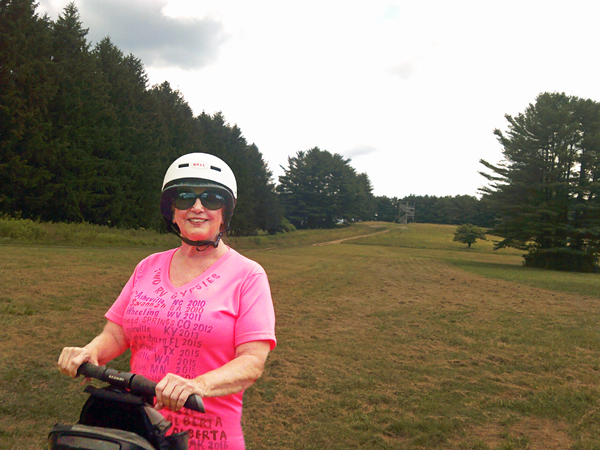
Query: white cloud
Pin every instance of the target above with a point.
(423, 83)
(142, 28)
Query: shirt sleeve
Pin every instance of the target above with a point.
(256, 319)
(117, 310)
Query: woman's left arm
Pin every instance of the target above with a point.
(235, 376)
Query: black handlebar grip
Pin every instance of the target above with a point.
(195, 402)
(136, 384)
(114, 377)
(91, 371)
(143, 386)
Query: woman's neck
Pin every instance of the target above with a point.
(200, 253)
(188, 263)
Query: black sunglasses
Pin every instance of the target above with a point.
(210, 200)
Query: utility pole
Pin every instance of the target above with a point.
(407, 212)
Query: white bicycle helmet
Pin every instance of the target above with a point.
(198, 170)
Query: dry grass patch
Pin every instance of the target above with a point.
(398, 351)
(380, 347)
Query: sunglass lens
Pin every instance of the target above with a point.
(210, 200)
(185, 200)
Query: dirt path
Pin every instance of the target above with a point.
(318, 244)
(348, 239)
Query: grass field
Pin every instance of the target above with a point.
(398, 340)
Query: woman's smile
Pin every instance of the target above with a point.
(198, 223)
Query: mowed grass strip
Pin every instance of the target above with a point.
(380, 347)
(51, 298)
(383, 348)
(436, 241)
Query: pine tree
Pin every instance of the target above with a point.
(257, 205)
(320, 190)
(546, 190)
(138, 163)
(26, 87)
(82, 138)
(83, 128)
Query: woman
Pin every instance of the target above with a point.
(198, 319)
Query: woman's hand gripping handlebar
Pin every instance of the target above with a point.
(136, 384)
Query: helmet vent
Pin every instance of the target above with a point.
(184, 165)
(218, 169)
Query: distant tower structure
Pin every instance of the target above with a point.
(407, 212)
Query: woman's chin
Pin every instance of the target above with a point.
(199, 235)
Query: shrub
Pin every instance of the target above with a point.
(21, 229)
(468, 234)
(563, 259)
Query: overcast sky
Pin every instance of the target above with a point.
(411, 91)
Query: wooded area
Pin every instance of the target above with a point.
(84, 138)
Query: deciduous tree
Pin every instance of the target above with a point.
(469, 234)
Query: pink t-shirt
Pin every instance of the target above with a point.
(195, 328)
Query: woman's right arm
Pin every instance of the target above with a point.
(109, 344)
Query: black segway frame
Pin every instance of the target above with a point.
(120, 416)
(136, 384)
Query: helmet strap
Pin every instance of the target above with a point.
(205, 244)
(202, 245)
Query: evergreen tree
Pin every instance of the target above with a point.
(268, 212)
(138, 163)
(82, 138)
(257, 205)
(386, 209)
(546, 190)
(450, 210)
(320, 189)
(26, 86)
(364, 204)
(83, 129)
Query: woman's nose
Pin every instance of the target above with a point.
(198, 206)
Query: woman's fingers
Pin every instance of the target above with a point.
(71, 358)
(172, 392)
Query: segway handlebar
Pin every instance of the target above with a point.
(136, 384)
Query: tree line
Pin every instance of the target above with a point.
(83, 137)
(448, 210)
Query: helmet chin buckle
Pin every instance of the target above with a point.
(205, 244)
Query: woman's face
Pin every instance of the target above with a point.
(198, 223)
